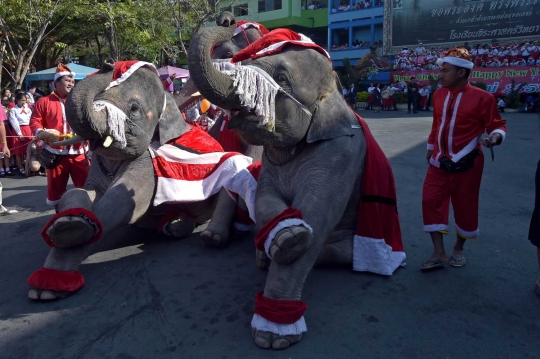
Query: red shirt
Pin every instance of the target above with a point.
(48, 114)
(460, 117)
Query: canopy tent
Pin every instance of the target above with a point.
(48, 75)
(181, 74)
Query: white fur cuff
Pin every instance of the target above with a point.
(286, 223)
(295, 328)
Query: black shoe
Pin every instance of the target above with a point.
(9, 173)
(2, 174)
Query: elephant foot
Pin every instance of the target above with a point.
(263, 261)
(215, 235)
(290, 243)
(214, 239)
(267, 340)
(180, 227)
(70, 231)
(47, 295)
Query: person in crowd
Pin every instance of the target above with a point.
(377, 98)
(352, 96)
(424, 97)
(4, 148)
(412, 95)
(31, 92)
(48, 122)
(371, 97)
(19, 119)
(386, 96)
(501, 104)
(455, 158)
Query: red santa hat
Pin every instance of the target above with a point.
(63, 70)
(124, 69)
(242, 25)
(274, 42)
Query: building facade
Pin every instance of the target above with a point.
(353, 27)
(302, 16)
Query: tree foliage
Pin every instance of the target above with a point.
(37, 34)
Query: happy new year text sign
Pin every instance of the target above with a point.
(498, 80)
(441, 21)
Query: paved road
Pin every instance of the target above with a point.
(178, 299)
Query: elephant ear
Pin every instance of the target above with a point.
(338, 82)
(331, 119)
(171, 123)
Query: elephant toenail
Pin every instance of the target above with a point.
(262, 343)
(281, 344)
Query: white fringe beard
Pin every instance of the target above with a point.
(116, 119)
(254, 90)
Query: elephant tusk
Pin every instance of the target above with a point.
(108, 141)
(71, 141)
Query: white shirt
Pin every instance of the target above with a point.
(19, 117)
(501, 103)
(424, 92)
(370, 89)
(524, 51)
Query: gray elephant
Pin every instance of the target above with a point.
(325, 193)
(246, 33)
(131, 123)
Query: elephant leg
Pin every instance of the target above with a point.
(125, 201)
(338, 250)
(180, 226)
(217, 232)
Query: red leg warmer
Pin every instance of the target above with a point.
(76, 212)
(265, 230)
(57, 280)
(279, 311)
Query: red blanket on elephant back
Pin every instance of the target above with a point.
(378, 243)
(193, 167)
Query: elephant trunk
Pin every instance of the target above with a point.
(215, 86)
(80, 112)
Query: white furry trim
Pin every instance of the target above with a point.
(435, 227)
(468, 234)
(430, 146)
(131, 70)
(503, 134)
(245, 186)
(296, 328)
(456, 61)
(52, 203)
(434, 162)
(116, 119)
(164, 229)
(374, 255)
(63, 73)
(286, 223)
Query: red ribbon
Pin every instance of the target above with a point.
(279, 311)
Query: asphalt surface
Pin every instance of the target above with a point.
(160, 298)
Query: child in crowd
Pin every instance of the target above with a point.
(19, 118)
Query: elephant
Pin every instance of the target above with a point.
(315, 202)
(245, 34)
(121, 186)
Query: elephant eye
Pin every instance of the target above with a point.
(134, 107)
(282, 78)
(229, 54)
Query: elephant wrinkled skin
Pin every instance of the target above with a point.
(313, 164)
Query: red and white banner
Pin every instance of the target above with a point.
(184, 176)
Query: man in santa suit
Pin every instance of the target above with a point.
(48, 123)
(461, 114)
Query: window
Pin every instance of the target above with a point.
(241, 10)
(268, 5)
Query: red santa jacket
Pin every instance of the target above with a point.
(49, 113)
(459, 118)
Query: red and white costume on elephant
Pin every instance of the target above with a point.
(460, 117)
(378, 244)
(190, 168)
(49, 113)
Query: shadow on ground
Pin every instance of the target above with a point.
(156, 297)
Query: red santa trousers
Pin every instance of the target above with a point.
(463, 189)
(58, 177)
